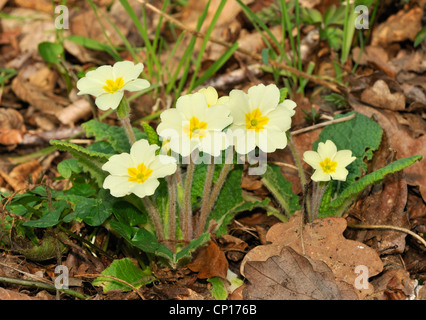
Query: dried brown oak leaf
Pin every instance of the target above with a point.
(321, 240)
(12, 127)
(210, 262)
(291, 276)
(379, 95)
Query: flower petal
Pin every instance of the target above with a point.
(279, 118)
(118, 186)
(136, 85)
(142, 152)
(238, 105)
(163, 166)
(319, 175)
(289, 105)
(344, 158)
(266, 98)
(327, 149)
(127, 70)
(271, 140)
(313, 159)
(118, 164)
(109, 100)
(90, 86)
(340, 174)
(211, 95)
(146, 188)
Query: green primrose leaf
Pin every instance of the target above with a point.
(125, 270)
(69, 166)
(281, 189)
(218, 291)
(114, 135)
(338, 205)
(91, 161)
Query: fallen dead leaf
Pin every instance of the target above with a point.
(375, 56)
(291, 276)
(401, 141)
(6, 294)
(210, 262)
(394, 284)
(31, 94)
(404, 25)
(321, 240)
(12, 127)
(379, 95)
(382, 204)
(19, 177)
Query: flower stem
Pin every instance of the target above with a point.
(301, 172)
(171, 182)
(187, 206)
(204, 213)
(129, 130)
(123, 113)
(317, 194)
(155, 218)
(227, 167)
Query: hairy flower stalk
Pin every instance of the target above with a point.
(186, 219)
(204, 212)
(172, 187)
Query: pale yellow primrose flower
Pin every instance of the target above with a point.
(212, 96)
(193, 124)
(329, 163)
(259, 120)
(107, 83)
(137, 172)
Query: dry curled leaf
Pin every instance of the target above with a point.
(291, 276)
(379, 95)
(321, 240)
(210, 262)
(401, 26)
(12, 127)
(20, 176)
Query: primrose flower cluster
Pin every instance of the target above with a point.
(200, 122)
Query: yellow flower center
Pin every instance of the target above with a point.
(255, 120)
(195, 128)
(113, 86)
(139, 174)
(328, 166)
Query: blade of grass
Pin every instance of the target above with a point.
(216, 65)
(187, 57)
(95, 10)
(205, 42)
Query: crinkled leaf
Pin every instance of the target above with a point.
(68, 166)
(91, 161)
(114, 135)
(125, 270)
(341, 202)
(281, 189)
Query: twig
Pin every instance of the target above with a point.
(378, 226)
(323, 124)
(332, 86)
(42, 285)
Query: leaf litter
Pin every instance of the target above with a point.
(279, 260)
